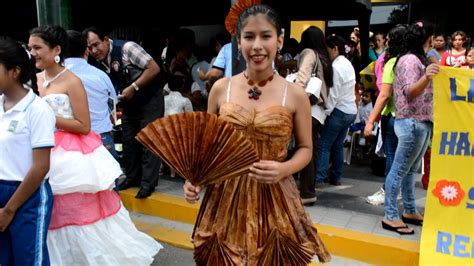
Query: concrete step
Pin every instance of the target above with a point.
(169, 219)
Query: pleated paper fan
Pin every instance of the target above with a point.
(201, 147)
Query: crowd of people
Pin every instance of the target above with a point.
(58, 198)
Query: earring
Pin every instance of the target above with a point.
(239, 52)
(278, 50)
(57, 59)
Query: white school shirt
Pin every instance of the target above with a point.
(26, 126)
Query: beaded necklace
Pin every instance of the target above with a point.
(254, 93)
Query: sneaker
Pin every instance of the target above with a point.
(378, 198)
(309, 201)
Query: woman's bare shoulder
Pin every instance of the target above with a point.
(220, 85)
(296, 96)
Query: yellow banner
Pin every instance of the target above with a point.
(448, 230)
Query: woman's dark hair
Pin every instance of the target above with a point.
(291, 46)
(414, 39)
(336, 41)
(313, 38)
(271, 14)
(14, 54)
(395, 41)
(52, 36)
(458, 33)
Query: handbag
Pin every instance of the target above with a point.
(313, 87)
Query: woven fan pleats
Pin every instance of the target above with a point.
(280, 250)
(213, 252)
(277, 224)
(254, 221)
(199, 146)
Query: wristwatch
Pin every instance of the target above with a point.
(135, 86)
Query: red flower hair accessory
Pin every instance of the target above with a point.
(234, 14)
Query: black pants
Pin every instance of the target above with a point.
(308, 174)
(141, 166)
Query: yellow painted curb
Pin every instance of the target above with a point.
(366, 247)
(172, 237)
(162, 205)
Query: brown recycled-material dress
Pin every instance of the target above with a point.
(243, 222)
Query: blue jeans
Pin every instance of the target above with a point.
(331, 145)
(108, 142)
(390, 141)
(413, 139)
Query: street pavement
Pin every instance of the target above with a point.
(171, 256)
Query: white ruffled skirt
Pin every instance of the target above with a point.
(89, 224)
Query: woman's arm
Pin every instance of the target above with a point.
(382, 100)
(30, 184)
(270, 172)
(417, 88)
(217, 95)
(77, 96)
(308, 60)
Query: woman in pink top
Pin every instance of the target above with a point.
(412, 89)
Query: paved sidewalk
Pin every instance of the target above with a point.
(341, 206)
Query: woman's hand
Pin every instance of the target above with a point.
(368, 129)
(191, 192)
(431, 70)
(5, 218)
(267, 172)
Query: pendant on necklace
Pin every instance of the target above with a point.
(45, 84)
(254, 93)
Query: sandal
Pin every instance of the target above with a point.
(412, 221)
(398, 229)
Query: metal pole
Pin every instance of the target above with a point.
(54, 12)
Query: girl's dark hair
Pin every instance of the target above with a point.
(395, 41)
(14, 54)
(336, 41)
(313, 38)
(52, 36)
(271, 14)
(414, 39)
(176, 82)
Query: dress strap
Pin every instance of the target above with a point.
(283, 101)
(228, 92)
